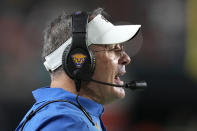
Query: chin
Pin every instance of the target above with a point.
(119, 92)
(115, 94)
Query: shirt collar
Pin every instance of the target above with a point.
(49, 94)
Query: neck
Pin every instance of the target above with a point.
(61, 80)
(93, 92)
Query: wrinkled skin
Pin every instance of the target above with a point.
(109, 65)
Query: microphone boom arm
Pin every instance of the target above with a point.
(133, 85)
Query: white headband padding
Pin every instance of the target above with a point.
(54, 60)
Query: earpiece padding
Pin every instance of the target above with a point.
(77, 60)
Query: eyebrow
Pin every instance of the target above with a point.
(115, 45)
(108, 46)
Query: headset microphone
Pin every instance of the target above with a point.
(133, 85)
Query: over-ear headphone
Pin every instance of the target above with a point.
(78, 61)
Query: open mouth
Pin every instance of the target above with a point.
(117, 80)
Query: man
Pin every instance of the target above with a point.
(62, 106)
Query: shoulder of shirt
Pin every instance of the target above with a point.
(63, 122)
(59, 116)
(60, 108)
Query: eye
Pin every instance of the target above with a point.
(117, 48)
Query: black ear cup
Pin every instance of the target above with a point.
(93, 64)
(64, 59)
(78, 61)
(78, 64)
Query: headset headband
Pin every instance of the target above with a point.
(79, 62)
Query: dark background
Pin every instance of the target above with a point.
(167, 61)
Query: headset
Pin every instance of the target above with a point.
(78, 61)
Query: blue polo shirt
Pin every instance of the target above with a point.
(62, 116)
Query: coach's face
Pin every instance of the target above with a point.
(110, 65)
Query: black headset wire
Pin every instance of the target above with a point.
(84, 111)
(32, 113)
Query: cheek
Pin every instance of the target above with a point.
(106, 67)
(106, 62)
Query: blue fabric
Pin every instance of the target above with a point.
(62, 116)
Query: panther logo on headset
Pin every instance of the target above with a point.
(78, 59)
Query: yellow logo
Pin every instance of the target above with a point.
(78, 59)
(97, 126)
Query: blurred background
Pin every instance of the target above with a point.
(167, 61)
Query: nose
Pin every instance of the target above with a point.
(124, 59)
